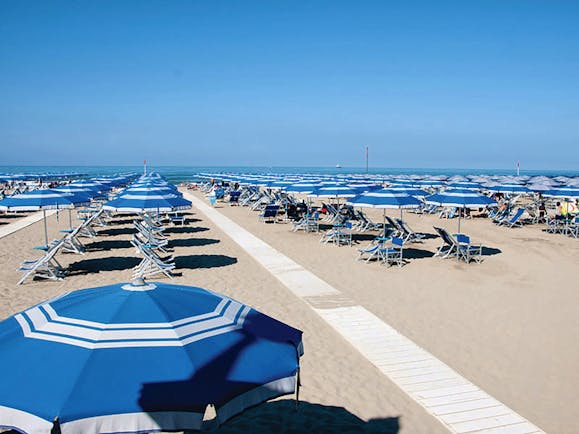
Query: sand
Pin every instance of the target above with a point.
(509, 325)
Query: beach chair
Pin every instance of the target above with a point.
(392, 225)
(513, 221)
(393, 254)
(45, 267)
(449, 244)
(152, 264)
(71, 243)
(408, 234)
(372, 250)
(234, 196)
(269, 213)
(572, 228)
(344, 234)
(467, 251)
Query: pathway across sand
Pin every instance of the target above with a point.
(458, 404)
(23, 222)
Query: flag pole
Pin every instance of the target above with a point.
(366, 160)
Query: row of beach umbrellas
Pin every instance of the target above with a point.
(138, 357)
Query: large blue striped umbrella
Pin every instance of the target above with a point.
(467, 185)
(139, 358)
(387, 198)
(409, 190)
(562, 192)
(333, 191)
(302, 187)
(149, 200)
(41, 200)
(461, 198)
(509, 188)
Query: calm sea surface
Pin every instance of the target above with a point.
(186, 173)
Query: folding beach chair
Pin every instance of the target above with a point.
(152, 264)
(45, 267)
(234, 196)
(269, 213)
(408, 234)
(573, 228)
(71, 243)
(513, 221)
(449, 244)
(393, 254)
(467, 251)
(393, 225)
(372, 250)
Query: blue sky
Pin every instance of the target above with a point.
(477, 84)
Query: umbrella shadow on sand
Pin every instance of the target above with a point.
(281, 416)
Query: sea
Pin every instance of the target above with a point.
(178, 174)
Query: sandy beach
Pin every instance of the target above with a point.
(510, 324)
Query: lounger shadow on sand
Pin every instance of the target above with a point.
(96, 265)
(108, 245)
(192, 242)
(185, 229)
(203, 261)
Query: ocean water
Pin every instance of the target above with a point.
(178, 174)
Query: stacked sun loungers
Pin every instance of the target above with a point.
(150, 241)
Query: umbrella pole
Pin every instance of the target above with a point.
(384, 219)
(459, 215)
(70, 218)
(297, 387)
(45, 230)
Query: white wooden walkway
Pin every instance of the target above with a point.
(23, 222)
(458, 404)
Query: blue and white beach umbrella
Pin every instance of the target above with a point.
(302, 187)
(143, 201)
(509, 188)
(387, 198)
(562, 192)
(137, 358)
(333, 191)
(460, 198)
(41, 200)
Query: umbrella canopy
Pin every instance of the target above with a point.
(302, 187)
(466, 185)
(411, 191)
(148, 200)
(562, 193)
(461, 198)
(36, 200)
(385, 198)
(509, 188)
(333, 190)
(139, 358)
